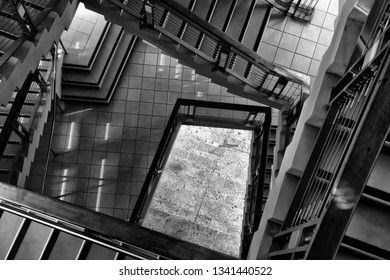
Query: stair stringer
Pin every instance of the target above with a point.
(298, 152)
(27, 57)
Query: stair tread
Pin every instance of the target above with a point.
(6, 163)
(238, 19)
(254, 32)
(220, 13)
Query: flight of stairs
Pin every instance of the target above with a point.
(238, 35)
(28, 231)
(18, 60)
(24, 139)
(98, 79)
(367, 233)
(366, 236)
(23, 238)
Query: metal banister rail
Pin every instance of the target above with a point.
(344, 116)
(346, 108)
(226, 54)
(18, 23)
(15, 132)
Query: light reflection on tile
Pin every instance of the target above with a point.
(137, 115)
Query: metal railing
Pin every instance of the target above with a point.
(15, 133)
(344, 116)
(57, 224)
(93, 228)
(301, 9)
(226, 54)
(350, 99)
(18, 24)
(380, 32)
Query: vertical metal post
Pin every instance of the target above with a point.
(263, 168)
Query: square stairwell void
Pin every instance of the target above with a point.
(200, 196)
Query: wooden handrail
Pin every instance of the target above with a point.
(107, 226)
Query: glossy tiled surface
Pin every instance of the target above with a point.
(83, 33)
(300, 45)
(104, 151)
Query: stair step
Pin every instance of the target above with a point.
(11, 150)
(66, 247)
(221, 12)
(256, 26)
(6, 163)
(33, 242)
(239, 19)
(98, 252)
(9, 24)
(9, 35)
(9, 225)
(36, 4)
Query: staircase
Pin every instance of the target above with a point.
(367, 233)
(213, 38)
(35, 227)
(22, 122)
(97, 78)
(340, 209)
(25, 38)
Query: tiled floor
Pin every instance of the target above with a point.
(83, 33)
(300, 45)
(103, 151)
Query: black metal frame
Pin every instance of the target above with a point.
(251, 122)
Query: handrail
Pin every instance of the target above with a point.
(15, 127)
(14, 113)
(345, 114)
(19, 21)
(105, 229)
(341, 124)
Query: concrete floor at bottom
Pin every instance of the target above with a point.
(200, 196)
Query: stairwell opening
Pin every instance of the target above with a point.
(200, 196)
